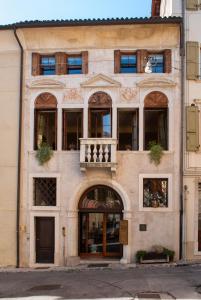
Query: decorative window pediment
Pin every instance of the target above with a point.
(45, 83)
(100, 81)
(156, 82)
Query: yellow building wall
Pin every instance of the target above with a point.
(9, 118)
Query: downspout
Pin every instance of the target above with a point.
(19, 153)
(181, 234)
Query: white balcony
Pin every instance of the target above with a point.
(98, 153)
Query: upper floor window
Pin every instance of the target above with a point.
(47, 65)
(156, 120)
(59, 63)
(155, 192)
(72, 129)
(74, 64)
(157, 63)
(138, 61)
(45, 121)
(128, 129)
(128, 63)
(100, 115)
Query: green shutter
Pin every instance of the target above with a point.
(192, 128)
(192, 4)
(192, 60)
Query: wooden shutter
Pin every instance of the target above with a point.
(141, 60)
(192, 128)
(192, 4)
(85, 62)
(155, 11)
(167, 61)
(117, 63)
(35, 64)
(60, 63)
(192, 60)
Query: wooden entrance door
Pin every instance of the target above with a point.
(99, 234)
(45, 236)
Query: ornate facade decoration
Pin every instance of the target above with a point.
(156, 99)
(100, 99)
(46, 100)
(128, 94)
(73, 95)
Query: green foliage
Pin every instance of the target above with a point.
(156, 153)
(44, 153)
(169, 253)
(140, 254)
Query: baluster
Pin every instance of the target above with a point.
(101, 153)
(89, 153)
(106, 153)
(95, 153)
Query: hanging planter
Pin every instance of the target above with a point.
(44, 153)
(156, 153)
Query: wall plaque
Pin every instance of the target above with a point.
(123, 232)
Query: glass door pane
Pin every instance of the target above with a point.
(91, 233)
(113, 247)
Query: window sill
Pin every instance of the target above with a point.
(45, 208)
(156, 209)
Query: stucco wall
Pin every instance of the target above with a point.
(9, 103)
(101, 41)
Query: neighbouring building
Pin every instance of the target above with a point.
(98, 93)
(9, 128)
(190, 10)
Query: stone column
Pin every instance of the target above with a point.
(59, 129)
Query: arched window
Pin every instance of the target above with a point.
(45, 120)
(156, 120)
(100, 115)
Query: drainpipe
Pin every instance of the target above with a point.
(19, 152)
(182, 32)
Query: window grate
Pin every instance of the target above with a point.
(45, 191)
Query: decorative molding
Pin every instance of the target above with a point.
(156, 99)
(99, 99)
(73, 95)
(128, 94)
(156, 82)
(45, 83)
(197, 101)
(46, 100)
(100, 81)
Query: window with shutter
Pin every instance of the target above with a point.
(35, 64)
(61, 66)
(192, 4)
(117, 55)
(168, 61)
(85, 62)
(192, 60)
(155, 12)
(192, 128)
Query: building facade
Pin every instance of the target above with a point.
(91, 95)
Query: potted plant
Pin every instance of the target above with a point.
(44, 153)
(157, 254)
(156, 153)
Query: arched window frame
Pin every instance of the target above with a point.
(45, 105)
(157, 102)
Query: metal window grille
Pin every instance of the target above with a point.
(45, 191)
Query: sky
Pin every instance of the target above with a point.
(12, 11)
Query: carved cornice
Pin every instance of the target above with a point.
(156, 82)
(100, 81)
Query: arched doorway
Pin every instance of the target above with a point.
(100, 212)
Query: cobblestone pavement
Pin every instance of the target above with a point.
(126, 283)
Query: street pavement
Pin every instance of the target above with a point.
(146, 282)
